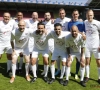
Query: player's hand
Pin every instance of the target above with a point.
(13, 53)
(83, 36)
(99, 49)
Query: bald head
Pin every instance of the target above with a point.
(6, 17)
(21, 25)
(74, 31)
(90, 15)
(34, 16)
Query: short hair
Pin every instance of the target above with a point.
(6, 12)
(57, 24)
(41, 23)
(89, 10)
(62, 9)
(18, 13)
(75, 10)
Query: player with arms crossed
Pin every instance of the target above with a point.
(75, 48)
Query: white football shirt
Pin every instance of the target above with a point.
(5, 33)
(40, 41)
(33, 26)
(75, 44)
(92, 33)
(59, 41)
(63, 22)
(21, 38)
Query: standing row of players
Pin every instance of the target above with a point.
(59, 39)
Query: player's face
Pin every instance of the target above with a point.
(58, 30)
(74, 32)
(34, 16)
(21, 26)
(6, 17)
(62, 14)
(90, 16)
(41, 29)
(47, 16)
(75, 15)
(19, 16)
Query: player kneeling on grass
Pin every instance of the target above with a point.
(59, 50)
(75, 48)
(21, 37)
(40, 47)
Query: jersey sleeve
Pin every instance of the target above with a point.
(82, 42)
(12, 36)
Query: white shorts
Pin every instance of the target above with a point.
(36, 52)
(30, 48)
(56, 54)
(51, 45)
(7, 49)
(77, 55)
(89, 51)
(25, 51)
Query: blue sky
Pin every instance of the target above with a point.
(78, 1)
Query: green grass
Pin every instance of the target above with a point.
(21, 84)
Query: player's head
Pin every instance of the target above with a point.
(6, 17)
(21, 25)
(41, 28)
(62, 13)
(58, 28)
(47, 16)
(75, 14)
(90, 15)
(74, 31)
(19, 16)
(34, 16)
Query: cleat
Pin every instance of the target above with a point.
(43, 73)
(28, 78)
(51, 81)
(45, 79)
(86, 79)
(98, 81)
(61, 81)
(12, 79)
(65, 83)
(9, 73)
(76, 77)
(20, 71)
(33, 79)
(57, 72)
(83, 83)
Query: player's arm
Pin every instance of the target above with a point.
(67, 48)
(12, 44)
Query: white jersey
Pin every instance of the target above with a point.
(75, 44)
(5, 33)
(92, 33)
(21, 38)
(33, 26)
(63, 22)
(40, 41)
(49, 26)
(59, 41)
